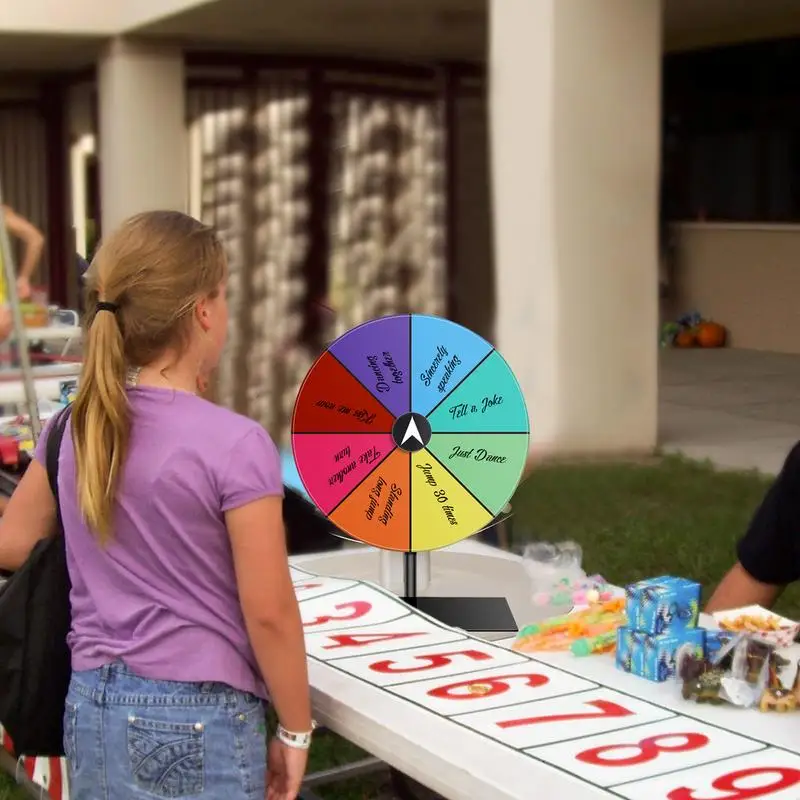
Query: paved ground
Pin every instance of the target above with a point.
(738, 408)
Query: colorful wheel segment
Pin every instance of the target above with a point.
(410, 433)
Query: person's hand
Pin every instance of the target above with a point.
(286, 767)
(23, 288)
(6, 323)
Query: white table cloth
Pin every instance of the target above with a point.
(552, 727)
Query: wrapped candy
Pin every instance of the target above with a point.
(580, 592)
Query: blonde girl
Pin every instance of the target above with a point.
(183, 612)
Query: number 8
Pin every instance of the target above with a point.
(649, 749)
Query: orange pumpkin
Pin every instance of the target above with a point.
(685, 338)
(711, 334)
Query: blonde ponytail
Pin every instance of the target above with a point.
(101, 422)
(141, 290)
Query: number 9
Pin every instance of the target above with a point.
(783, 778)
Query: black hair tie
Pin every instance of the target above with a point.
(103, 305)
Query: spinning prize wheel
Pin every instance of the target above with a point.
(410, 433)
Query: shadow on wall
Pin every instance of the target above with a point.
(250, 178)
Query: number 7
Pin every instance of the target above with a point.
(605, 708)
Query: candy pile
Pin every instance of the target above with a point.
(580, 592)
(557, 578)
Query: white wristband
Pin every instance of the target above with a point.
(300, 741)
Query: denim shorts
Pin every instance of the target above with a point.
(130, 738)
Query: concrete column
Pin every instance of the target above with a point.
(142, 140)
(574, 131)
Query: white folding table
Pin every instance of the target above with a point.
(596, 732)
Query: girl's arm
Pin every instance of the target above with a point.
(270, 608)
(31, 236)
(29, 516)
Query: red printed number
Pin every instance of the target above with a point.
(362, 639)
(649, 749)
(354, 610)
(433, 661)
(492, 686)
(604, 708)
(783, 778)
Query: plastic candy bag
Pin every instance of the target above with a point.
(547, 564)
(749, 672)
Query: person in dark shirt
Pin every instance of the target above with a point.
(769, 552)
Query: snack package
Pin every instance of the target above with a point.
(592, 625)
(749, 675)
(760, 623)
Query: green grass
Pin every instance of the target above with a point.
(632, 521)
(674, 516)
(8, 791)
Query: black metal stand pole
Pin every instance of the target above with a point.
(410, 576)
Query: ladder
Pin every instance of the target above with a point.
(20, 336)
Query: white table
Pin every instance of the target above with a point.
(464, 755)
(53, 333)
(47, 388)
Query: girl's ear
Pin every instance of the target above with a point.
(201, 314)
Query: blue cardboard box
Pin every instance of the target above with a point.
(663, 605)
(660, 656)
(630, 650)
(633, 595)
(715, 641)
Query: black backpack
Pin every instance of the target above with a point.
(35, 619)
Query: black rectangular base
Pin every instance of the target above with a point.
(489, 614)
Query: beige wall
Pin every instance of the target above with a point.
(575, 155)
(745, 276)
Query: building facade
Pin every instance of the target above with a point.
(496, 162)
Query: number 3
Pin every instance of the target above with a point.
(785, 778)
(358, 608)
(649, 749)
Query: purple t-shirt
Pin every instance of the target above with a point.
(162, 596)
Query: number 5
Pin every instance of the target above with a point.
(434, 661)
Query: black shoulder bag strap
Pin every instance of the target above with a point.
(52, 452)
